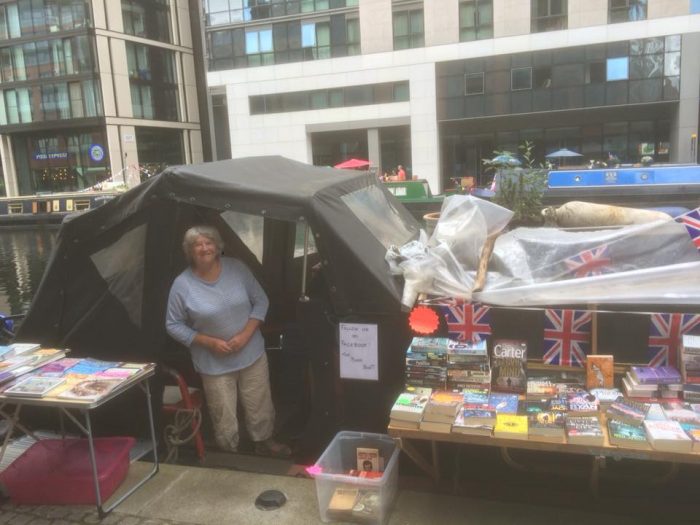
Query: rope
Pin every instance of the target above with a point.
(174, 435)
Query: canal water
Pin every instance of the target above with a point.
(24, 254)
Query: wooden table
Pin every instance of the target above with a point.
(598, 454)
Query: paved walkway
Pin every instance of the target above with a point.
(196, 496)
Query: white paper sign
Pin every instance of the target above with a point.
(359, 357)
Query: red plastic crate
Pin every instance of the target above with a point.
(59, 472)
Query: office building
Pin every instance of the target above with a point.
(439, 85)
(93, 89)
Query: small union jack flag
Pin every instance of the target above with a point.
(466, 321)
(691, 221)
(567, 336)
(587, 263)
(665, 334)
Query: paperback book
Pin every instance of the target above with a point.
(627, 411)
(662, 375)
(599, 371)
(476, 398)
(584, 430)
(410, 405)
(583, 404)
(509, 366)
(503, 403)
(90, 390)
(547, 425)
(667, 436)
(34, 386)
(623, 435)
(511, 426)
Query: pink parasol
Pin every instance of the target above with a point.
(352, 164)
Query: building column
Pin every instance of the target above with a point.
(374, 149)
(684, 128)
(8, 166)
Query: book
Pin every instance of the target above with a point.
(680, 412)
(606, 396)
(400, 423)
(58, 368)
(583, 404)
(541, 388)
(511, 426)
(627, 411)
(584, 430)
(435, 426)
(655, 413)
(693, 432)
(410, 404)
(476, 397)
(667, 436)
(509, 366)
(90, 389)
(547, 425)
(623, 435)
(478, 416)
(23, 348)
(599, 371)
(436, 345)
(34, 386)
(444, 403)
(367, 459)
(503, 403)
(467, 352)
(342, 502)
(655, 375)
(89, 366)
(641, 391)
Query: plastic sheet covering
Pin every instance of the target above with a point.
(446, 263)
(121, 266)
(653, 263)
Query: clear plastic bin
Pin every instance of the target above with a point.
(331, 473)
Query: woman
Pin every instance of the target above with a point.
(215, 308)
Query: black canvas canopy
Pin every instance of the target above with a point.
(106, 284)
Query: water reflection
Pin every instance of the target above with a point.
(23, 257)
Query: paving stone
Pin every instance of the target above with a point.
(21, 519)
(57, 512)
(129, 520)
(7, 516)
(39, 521)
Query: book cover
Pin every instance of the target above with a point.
(445, 402)
(467, 352)
(606, 396)
(511, 426)
(535, 406)
(478, 416)
(58, 368)
(89, 366)
(509, 366)
(541, 388)
(583, 404)
(624, 435)
(410, 405)
(503, 403)
(627, 411)
(667, 436)
(367, 459)
(462, 427)
(547, 424)
(90, 389)
(661, 375)
(34, 386)
(681, 412)
(584, 430)
(559, 404)
(476, 398)
(22, 348)
(437, 345)
(599, 371)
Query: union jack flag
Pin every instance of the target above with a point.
(567, 335)
(665, 334)
(466, 321)
(691, 221)
(595, 261)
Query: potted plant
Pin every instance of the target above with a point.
(519, 185)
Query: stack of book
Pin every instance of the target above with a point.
(625, 423)
(476, 416)
(468, 365)
(20, 359)
(646, 382)
(408, 408)
(690, 368)
(441, 411)
(426, 362)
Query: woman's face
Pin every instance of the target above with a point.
(204, 251)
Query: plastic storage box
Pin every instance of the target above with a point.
(59, 472)
(331, 473)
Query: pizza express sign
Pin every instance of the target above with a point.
(55, 155)
(95, 151)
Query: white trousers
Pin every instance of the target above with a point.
(253, 386)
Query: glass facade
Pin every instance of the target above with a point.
(46, 58)
(220, 12)
(626, 10)
(153, 84)
(330, 98)
(159, 148)
(475, 20)
(60, 161)
(617, 73)
(147, 19)
(284, 42)
(39, 17)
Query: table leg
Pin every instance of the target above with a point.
(419, 459)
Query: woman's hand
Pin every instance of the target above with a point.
(238, 341)
(216, 345)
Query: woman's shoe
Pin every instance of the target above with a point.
(271, 448)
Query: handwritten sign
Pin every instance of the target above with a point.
(359, 357)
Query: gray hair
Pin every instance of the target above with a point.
(191, 235)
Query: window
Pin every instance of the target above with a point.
(694, 6)
(542, 77)
(316, 40)
(408, 29)
(353, 36)
(596, 73)
(221, 12)
(627, 10)
(475, 20)
(521, 78)
(617, 69)
(548, 15)
(258, 47)
(46, 58)
(147, 18)
(474, 84)
(152, 82)
(35, 17)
